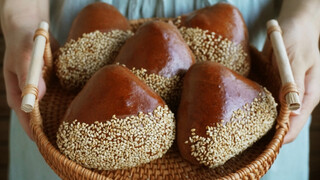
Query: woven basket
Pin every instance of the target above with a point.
(253, 163)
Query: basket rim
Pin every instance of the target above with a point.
(259, 166)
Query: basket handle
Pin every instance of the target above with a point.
(41, 55)
(289, 92)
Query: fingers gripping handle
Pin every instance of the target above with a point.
(30, 91)
(279, 50)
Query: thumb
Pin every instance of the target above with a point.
(41, 88)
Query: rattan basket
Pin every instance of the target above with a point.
(251, 164)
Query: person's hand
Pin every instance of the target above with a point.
(18, 36)
(301, 38)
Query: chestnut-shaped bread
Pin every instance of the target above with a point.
(95, 38)
(221, 113)
(218, 33)
(97, 16)
(158, 55)
(116, 122)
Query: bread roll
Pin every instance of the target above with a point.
(95, 38)
(221, 113)
(158, 55)
(116, 122)
(97, 16)
(218, 33)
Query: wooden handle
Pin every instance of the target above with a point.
(279, 50)
(30, 92)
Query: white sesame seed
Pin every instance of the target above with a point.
(78, 60)
(207, 46)
(169, 89)
(116, 148)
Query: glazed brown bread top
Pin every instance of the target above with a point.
(113, 90)
(223, 19)
(231, 92)
(97, 16)
(157, 47)
(211, 92)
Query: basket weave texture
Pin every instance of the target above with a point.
(253, 163)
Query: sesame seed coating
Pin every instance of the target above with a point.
(169, 89)
(208, 46)
(223, 141)
(78, 60)
(118, 143)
